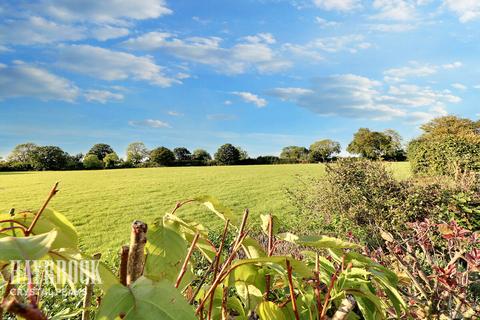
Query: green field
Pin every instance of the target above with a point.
(102, 204)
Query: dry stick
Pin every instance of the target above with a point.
(242, 227)
(269, 252)
(122, 274)
(217, 262)
(180, 204)
(224, 303)
(52, 193)
(317, 285)
(87, 299)
(344, 309)
(292, 292)
(187, 258)
(222, 274)
(136, 255)
(327, 296)
(25, 311)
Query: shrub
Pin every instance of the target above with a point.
(227, 154)
(100, 150)
(201, 155)
(91, 161)
(111, 160)
(49, 158)
(162, 156)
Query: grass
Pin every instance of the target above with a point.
(102, 204)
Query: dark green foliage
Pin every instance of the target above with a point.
(201, 155)
(182, 154)
(111, 160)
(162, 156)
(227, 154)
(100, 150)
(23, 153)
(91, 161)
(294, 153)
(49, 158)
(74, 162)
(323, 150)
(448, 145)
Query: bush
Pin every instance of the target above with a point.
(162, 156)
(91, 161)
(227, 154)
(49, 158)
(111, 160)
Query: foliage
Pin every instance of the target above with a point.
(182, 154)
(91, 161)
(295, 153)
(448, 145)
(111, 160)
(100, 150)
(227, 154)
(162, 156)
(137, 153)
(23, 153)
(49, 158)
(375, 145)
(201, 155)
(243, 153)
(323, 150)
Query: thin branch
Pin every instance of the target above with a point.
(52, 193)
(317, 286)
(122, 274)
(292, 291)
(180, 204)
(13, 228)
(187, 258)
(87, 299)
(269, 252)
(333, 279)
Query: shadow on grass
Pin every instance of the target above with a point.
(6, 173)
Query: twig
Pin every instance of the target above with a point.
(123, 265)
(136, 255)
(333, 279)
(269, 253)
(224, 303)
(344, 309)
(187, 258)
(242, 227)
(13, 229)
(52, 193)
(317, 286)
(180, 204)
(292, 292)
(87, 299)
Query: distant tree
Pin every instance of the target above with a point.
(23, 153)
(100, 150)
(243, 153)
(137, 153)
(227, 154)
(49, 158)
(182, 154)
(450, 125)
(201, 155)
(294, 153)
(323, 150)
(374, 145)
(111, 160)
(91, 161)
(162, 156)
(74, 162)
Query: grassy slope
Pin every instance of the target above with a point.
(102, 204)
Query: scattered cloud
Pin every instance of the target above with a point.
(175, 114)
(459, 86)
(253, 52)
(108, 32)
(112, 65)
(24, 80)
(396, 10)
(227, 102)
(338, 5)
(102, 96)
(393, 27)
(251, 98)
(200, 20)
(354, 96)
(466, 10)
(151, 123)
(324, 23)
(221, 117)
(453, 65)
(416, 69)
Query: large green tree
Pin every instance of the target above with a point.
(182, 154)
(137, 153)
(201, 155)
(323, 150)
(162, 156)
(111, 160)
(91, 161)
(373, 144)
(49, 158)
(227, 154)
(294, 153)
(100, 150)
(23, 153)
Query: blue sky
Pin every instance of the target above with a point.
(259, 74)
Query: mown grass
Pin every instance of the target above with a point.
(102, 204)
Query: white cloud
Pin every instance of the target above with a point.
(102, 96)
(338, 5)
(104, 11)
(394, 27)
(477, 86)
(149, 123)
(397, 10)
(251, 98)
(252, 53)
(227, 102)
(466, 10)
(175, 114)
(221, 117)
(108, 32)
(324, 23)
(38, 30)
(24, 80)
(111, 65)
(355, 96)
(459, 86)
(416, 69)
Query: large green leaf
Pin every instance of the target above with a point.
(265, 222)
(166, 251)
(268, 310)
(67, 236)
(26, 248)
(217, 207)
(252, 248)
(145, 300)
(298, 266)
(318, 241)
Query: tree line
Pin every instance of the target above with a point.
(366, 143)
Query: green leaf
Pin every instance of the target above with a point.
(217, 207)
(268, 310)
(298, 266)
(318, 241)
(26, 248)
(252, 248)
(67, 236)
(145, 300)
(166, 251)
(265, 222)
